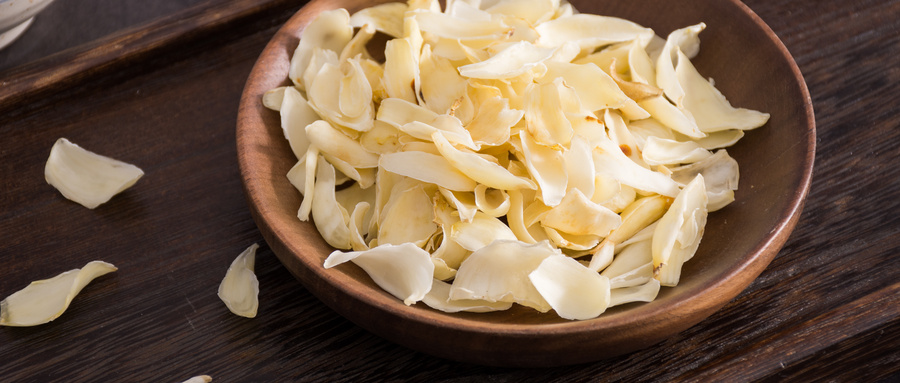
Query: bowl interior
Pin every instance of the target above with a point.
(750, 66)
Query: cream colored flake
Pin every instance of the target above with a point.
(45, 300)
(240, 288)
(85, 177)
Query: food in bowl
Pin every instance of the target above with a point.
(521, 153)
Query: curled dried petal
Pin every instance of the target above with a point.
(574, 291)
(680, 40)
(546, 109)
(401, 70)
(513, 61)
(332, 141)
(405, 270)
(387, 18)
(577, 215)
(492, 202)
(638, 215)
(720, 175)
(272, 98)
(296, 114)
(678, 233)
(547, 167)
(480, 232)
(331, 219)
(407, 216)
(330, 30)
(642, 293)
(45, 300)
(532, 11)
(448, 26)
(709, 107)
(240, 288)
(427, 167)
(609, 160)
(478, 168)
(499, 273)
(661, 151)
(632, 266)
(86, 177)
(589, 31)
(439, 299)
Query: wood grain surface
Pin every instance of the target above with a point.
(164, 96)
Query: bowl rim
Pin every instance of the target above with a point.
(702, 301)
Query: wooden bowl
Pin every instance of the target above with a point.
(751, 67)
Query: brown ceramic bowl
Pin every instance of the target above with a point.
(751, 67)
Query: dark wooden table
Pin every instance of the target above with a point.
(164, 95)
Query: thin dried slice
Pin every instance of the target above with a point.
(646, 292)
(673, 117)
(408, 215)
(547, 167)
(310, 165)
(661, 151)
(480, 232)
(720, 175)
(602, 256)
(86, 177)
(332, 141)
(579, 243)
(330, 30)
(532, 11)
(681, 40)
(492, 123)
(492, 202)
(448, 26)
(709, 107)
(319, 58)
(596, 89)
(513, 61)
(638, 215)
(678, 233)
(574, 291)
(440, 83)
(199, 379)
(449, 251)
(405, 271)
(356, 48)
(427, 167)
(240, 288)
(296, 114)
(464, 202)
(547, 107)
(515, 217)
(355, 96)
(387, 18)
(383, 138)
(580, 167)
(589, 31)
(401, 70)
(620, 135)
(609, 160)
(478, 168)
(273, 98)
(577, 215)
(330, 218)
(439, 299)
(499, 273)
(612, 194)
(45, 300)
(632, 266)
